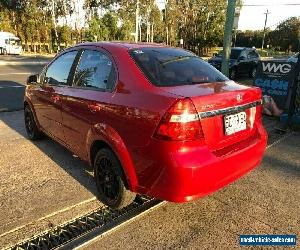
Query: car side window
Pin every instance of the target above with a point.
(95, 70)
(253, 55)
(58, 71)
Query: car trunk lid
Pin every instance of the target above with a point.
(215, 101)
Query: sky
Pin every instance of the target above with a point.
(253, 18)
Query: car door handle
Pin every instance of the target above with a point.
(55, 98)
(94, 107)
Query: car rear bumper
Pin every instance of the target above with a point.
(191, 172)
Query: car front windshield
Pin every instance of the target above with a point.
(173, 67)
(234, 54)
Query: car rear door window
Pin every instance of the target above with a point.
(95, 70)
(58, 71)
(173, 67)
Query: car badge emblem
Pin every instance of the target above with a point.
(239, 98)
(208, 106)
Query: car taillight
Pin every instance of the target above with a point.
(181, 122)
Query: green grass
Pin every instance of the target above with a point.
(272, 53)
(262, 53)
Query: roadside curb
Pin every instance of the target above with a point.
(4, 63)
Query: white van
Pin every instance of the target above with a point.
(10, 44)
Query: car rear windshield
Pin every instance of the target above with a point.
(173, 67)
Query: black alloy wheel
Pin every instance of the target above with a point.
(111, 189)
(32, 130)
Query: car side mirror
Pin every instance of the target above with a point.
(33, 79)
(242, 58)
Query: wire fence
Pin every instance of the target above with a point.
(297, 100)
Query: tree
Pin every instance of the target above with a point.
(286, 35)
(251, 38)
(110, 21)
(199, 23)
(97, 30)
(124, 32)
(64, 34)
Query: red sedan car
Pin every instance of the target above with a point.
(150, 119)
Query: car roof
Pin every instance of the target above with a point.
(242, 48)
(125, 45)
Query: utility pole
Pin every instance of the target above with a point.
(264, 34)
(136, 37)
(166, 22)
(228, 36)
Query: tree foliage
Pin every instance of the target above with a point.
(200, 23)
(287, 35)
(250, 38)
(284, 37)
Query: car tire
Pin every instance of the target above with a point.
(232, 73)
(252, 73)
(111, 188)
(32, 130)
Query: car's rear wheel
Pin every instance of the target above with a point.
(232, 73)
(32, 130)
(111, 189)
(252, 72)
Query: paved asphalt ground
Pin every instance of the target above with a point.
(42, 185)
(12, 85)
(266, 201)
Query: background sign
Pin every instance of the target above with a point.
(275, 78)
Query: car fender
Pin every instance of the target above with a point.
(105, 133)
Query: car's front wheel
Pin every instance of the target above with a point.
(32, 130)
(111, 189)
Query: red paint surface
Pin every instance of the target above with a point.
(127, 118)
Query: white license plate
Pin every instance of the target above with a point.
(235, 123)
